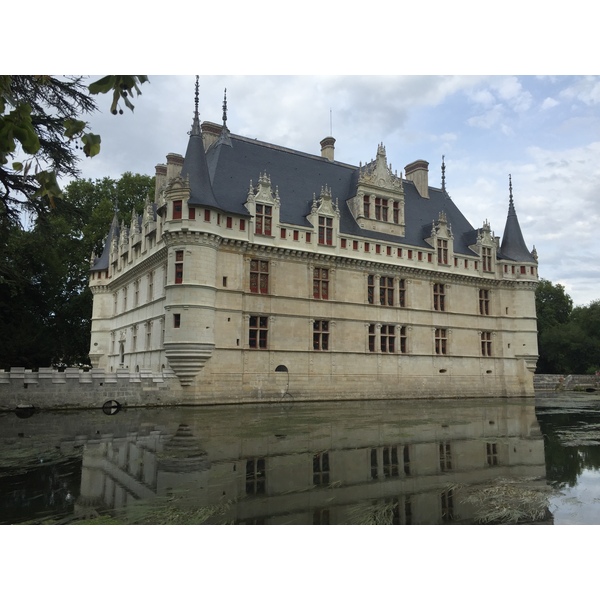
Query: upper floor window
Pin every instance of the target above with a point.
(388, 338)
(259, 276)
(484, 302)
(191, 213)
(486, 256)
(403, 338)
(207, 215)
(150, 286)
(396, 212)
(439, 296)
(371, 289)
(321, 284)
(177, 209)
(326, 231)
(386, 291)
(264, 218)
(442, 252)
(381, 209)
(402, 293)
(367, 207)
(179, 266)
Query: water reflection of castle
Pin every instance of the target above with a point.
(409, 463)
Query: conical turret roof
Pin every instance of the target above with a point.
(513, 245)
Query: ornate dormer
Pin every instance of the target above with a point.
(442, 239)
(379, 201)
(486, 246)
(263, 204)
(324, 216)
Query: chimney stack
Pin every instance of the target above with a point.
(174, 165)
(160, 181)
(210, 133)
(418, 173)
(327, 148)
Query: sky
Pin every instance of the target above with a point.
(473, 83)
(543, 131)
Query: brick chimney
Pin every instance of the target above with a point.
(418, 173)
(327, 148)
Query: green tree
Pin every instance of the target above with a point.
(45, 307)
(40, 119)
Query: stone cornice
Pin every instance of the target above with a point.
(140, 268)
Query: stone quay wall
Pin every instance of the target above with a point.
(560, 382)
(74, 388)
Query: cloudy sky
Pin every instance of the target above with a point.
(542, 130)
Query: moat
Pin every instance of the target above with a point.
(404, 462)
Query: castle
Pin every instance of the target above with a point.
(259, 273)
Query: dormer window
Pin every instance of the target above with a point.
(442, 252)
(264, 218)
(381, 209)
(326, 231)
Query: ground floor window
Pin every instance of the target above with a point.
(258, 332)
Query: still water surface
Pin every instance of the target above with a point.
(404, 462)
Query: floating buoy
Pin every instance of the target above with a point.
(111, 407)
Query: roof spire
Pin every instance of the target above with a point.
(225, 109)
(196, 122)
(513, 245)
(443, 174)
(511, 204)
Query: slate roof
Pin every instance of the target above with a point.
(513, 245)
(298, 175)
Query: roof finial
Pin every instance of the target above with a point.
(196, 122)
(510, 194)
(443, 174)
(225, 109)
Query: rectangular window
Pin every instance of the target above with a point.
(484, 302)
(466, 264)
(176, 320)
(371, 337)
(256, 476)
(441, 341)
(321, 335)
(492, 454)
(455, 261)
(399, 252)
(445, 457)
(367, 207)
(390, 461)
(308, 237)
(367, 247)
(523, 270)
(442, 252)
(387, 338)
(177, 211)
(381, 209)
(134, 338)
(258, 331)
(218, 219)
(124, 298)
(229, 222)
(419, 256)
(242, 224)
(396, 212)
(191, 213)
(179, 266)
(150, 286)
(264, 217)
(486, 257)
(476, 265)
(321, 284)
(321, 468)
(136, 292)
(447, 502)
(377, 248)
(354, 245)
(406, 459)
(439, 297)
(259, 276)
(386, 291)
(343, 242)
(148, 335)
(207, 215)
(410, 254)
(389, 250)
(326, 231)
(486, 343)
(283, 233)
(403, 339)
(371, 289)
(402, 293)
(295, 235)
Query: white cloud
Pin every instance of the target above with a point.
(549, 103)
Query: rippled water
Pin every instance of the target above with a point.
(404, 462)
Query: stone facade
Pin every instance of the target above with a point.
(312, 279)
